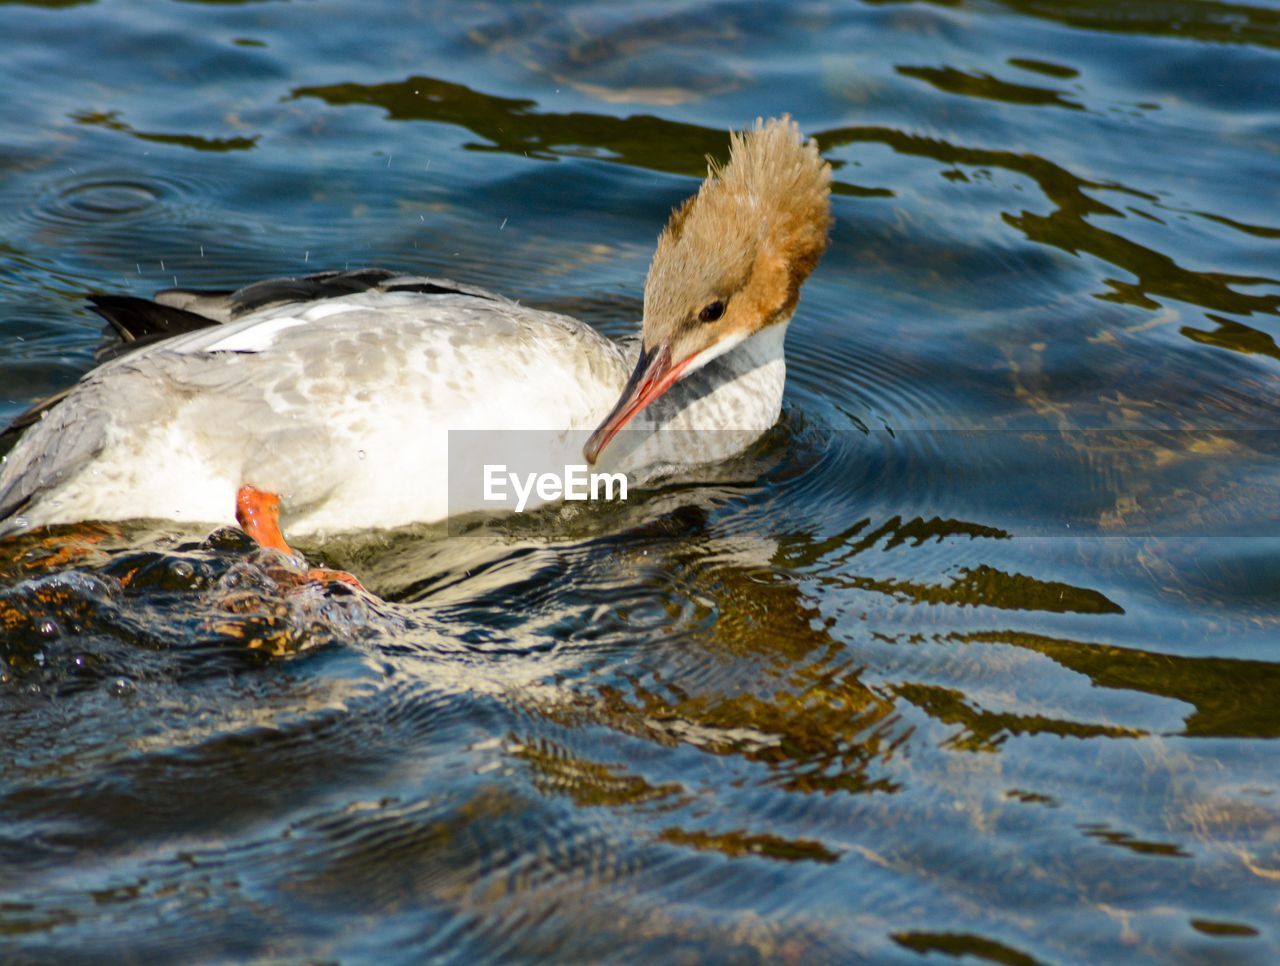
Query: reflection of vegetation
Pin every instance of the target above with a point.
(817, 726)
(814, 723)
(1067, 226)
(111, 121)
(591, 784)
(811, 721)
(1232, 698)
(738, 843)
(1235, 336)
(1212, 927)
(980, 586)
(984, 586)
(802, 550)
(962, 944)
(979, 84)
(1126, 841)
(1031, 798)
(1043, 67)
(588, 783)
(1217, 23)
(823, 737)
(1257, 231)
(513, 126)
(987, 730)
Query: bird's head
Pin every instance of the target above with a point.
(729, 263)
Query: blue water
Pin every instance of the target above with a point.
(983, 664)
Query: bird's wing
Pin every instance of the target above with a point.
(138, 325)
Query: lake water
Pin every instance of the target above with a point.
(981, 660)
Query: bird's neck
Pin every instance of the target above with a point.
(741, 390)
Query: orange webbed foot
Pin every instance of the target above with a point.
(258, 513)
(323, 575)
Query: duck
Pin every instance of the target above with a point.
(326, 404)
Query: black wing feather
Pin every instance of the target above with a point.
(135, 319)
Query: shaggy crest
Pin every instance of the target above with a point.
(733, 257)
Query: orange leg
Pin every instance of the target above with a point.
(258, 513)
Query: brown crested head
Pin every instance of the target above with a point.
(733, 257)
(729, 263)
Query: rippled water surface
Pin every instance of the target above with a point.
(982, 663)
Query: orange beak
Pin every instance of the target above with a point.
(654, 374)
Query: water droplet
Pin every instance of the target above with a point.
(48, 628)
(182, 568)
(361, 454)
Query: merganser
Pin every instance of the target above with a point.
(323, 404)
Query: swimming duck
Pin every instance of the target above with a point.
(323, 404)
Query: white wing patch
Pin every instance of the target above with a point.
(258, 336)
(255, 338)
(325, 309)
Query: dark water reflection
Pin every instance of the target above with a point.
(980, 663)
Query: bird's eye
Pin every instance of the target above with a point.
(712, 312)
